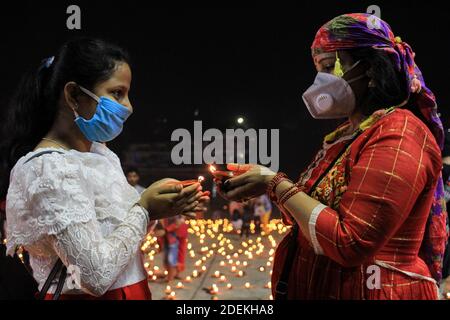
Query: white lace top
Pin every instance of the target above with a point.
(80, 207)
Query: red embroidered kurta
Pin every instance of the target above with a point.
(377, 199)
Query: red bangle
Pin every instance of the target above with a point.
(284, 192)
(271, 187)
(290, 195)
(287, 196)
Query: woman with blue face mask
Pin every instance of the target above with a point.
(68, 202)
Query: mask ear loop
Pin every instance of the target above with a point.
(356, 78)
(75, 111)
(89, 93)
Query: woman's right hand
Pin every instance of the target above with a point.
(166, 198)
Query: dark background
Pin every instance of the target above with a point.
(219, 63)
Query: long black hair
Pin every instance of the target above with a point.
(390, 85)
(33, 108)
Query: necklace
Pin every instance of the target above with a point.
(47, 139)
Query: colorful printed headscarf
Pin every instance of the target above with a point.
(361, 30)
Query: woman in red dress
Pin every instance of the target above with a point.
(367, 215)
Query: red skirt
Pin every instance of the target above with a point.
(137, 291)
(314, 277)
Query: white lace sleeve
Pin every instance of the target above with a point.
(101, 259)
(52, 197)
(44, 197)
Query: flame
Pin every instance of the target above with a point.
(212, 168)
(201, 179)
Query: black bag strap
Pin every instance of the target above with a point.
(281, 289)
(61, 281)
(36, 155)
(59, 267)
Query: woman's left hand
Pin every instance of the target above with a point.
(203, 204)
(250, 180)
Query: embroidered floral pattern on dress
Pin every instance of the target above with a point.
(78, 206)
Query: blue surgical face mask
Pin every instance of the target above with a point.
(107, 122)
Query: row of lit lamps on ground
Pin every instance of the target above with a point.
(215, 232)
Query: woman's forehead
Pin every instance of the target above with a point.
(323, 56)
(120, 77)
(122, 73)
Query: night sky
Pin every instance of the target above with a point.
(219, 63)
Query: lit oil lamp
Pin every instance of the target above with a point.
(180, 285)
(168, 290)
(216, 274)
(214, 289)
(188, 279)
(247, 285)
(229, 286)
(221, 175)
(222, 278)
(171, 296)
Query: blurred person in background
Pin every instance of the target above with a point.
(446, 178)
(182, 236)
(171, 246)
(133, 178)
(263, 210)
(236, 210)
